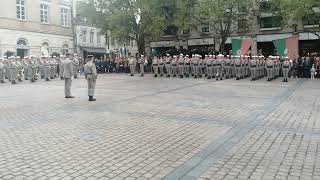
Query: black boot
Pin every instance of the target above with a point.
(14, 82)
(2, 82)
(61, 78)
(155, 75)
(91, 98)
(238, 78)
(142, 75)
(174, 75)
(47, 79)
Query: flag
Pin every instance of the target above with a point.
(287, 47)
(241, 46)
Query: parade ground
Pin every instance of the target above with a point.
(160, 128)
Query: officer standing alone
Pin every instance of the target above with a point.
(67, 75)
(91, 75)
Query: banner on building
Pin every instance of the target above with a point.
(287, 47)
(241, 46)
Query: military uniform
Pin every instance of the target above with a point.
(201, 66)
(270, 69)
(187, 63)
(168, 65)
(155, 66)
(67, 75)
(141, 65)
(253, 68)
(161, 66)
(91, 75)
(195, 64)
(181, 66)
(227, 67)
(237, 64)
(132, 62)
(174, 66)
(219, 67)
(209, 67)
(285, 69)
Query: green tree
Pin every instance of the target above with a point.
(293, 11)
(223, 17)
(139, 20)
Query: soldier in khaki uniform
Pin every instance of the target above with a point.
(2, 71)
(285, 69)
(155, 66)
(132, 62)
(91, 75)
(141, 65)
(67, 75)
(181, 66)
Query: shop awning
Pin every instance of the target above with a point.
(95, 50)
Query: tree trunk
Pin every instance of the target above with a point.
(222, 46)
(141, 45)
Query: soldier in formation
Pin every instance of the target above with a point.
(222, 67)
(16, 69)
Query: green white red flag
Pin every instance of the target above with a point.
(287, 47)
(241, 46)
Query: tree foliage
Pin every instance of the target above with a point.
(293, 11)
(223, 16)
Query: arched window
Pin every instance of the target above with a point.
(45, 49)
(65, 49)
(22, 42)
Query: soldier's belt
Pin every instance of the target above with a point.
(285, 66)
(155, 64)
(161, 64)
(174, 65)
(187, 64)
(227, 64)
(269, 66)
(238, 65)
(208, 65)
(167, 63)
(180, 63)
(254, 66)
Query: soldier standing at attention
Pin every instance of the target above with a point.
(161, 66)
(285, 69)
(91, 75)
(237, 64)
(174, 64)
(132, 63)
(187, 66)
(270, 69)
(67, 75)
(141, 65)
(195, 65)
(168, 65)
(219, 67)
(209, 66)
(155, 66)
(181, 66)
(227, 63)
(253, 68)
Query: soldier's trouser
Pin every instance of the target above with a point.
(227, 70)
(187, 69)
(91, 85)
(155, 70)
(26, 73)
(132, 68)
(67, 86)
(219, 70)
(269, 73)
(2, 75)
(181, 70)
(238, 72)
(285, 73)
(141, 68)
(209, 71)
(168, 69)
(161, 69)
(174, 69)
(46, 73)
(253, 73)
(18, 74)
(214, 70)
(12, 74)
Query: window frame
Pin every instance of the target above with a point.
(19, 8)
(44, 13)
(65, 17)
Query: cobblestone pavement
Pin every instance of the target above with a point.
(146, 128)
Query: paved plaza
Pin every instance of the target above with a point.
(146, 128)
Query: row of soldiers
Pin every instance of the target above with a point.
(221, 67)
(32, 68)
